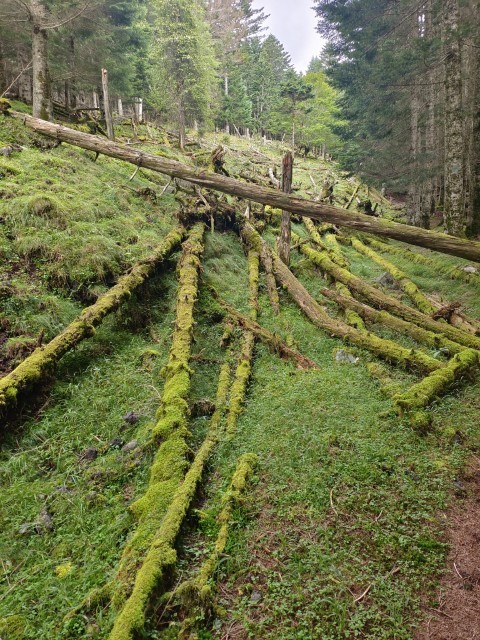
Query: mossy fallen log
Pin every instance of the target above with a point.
(319, 211)
(387, 349)
(418, 298)
(384, 301)
(422, 394)
(244, 367)
(334, 249)
(43, 360)
(456, 273)
(170, 461)
(197, 593)
(369, 314)
(316, 238)
(271, 283)
(273, 341)
(406, 285)
(353, 318)
(161, 554)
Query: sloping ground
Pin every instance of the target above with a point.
(341, 531)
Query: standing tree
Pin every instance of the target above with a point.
(183, 70)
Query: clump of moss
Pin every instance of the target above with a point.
(12, 628)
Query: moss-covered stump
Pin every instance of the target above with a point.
(161, 555)
(170, 462)
(43, 360)
(387, 349)
(197, 593)
(420, 395)
(384, 301)
(371, 315)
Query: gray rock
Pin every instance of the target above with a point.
(343, 356)
(386, 280)
(130, 446)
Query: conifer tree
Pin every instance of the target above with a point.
(183, 63)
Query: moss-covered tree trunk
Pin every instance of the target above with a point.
(42, 93)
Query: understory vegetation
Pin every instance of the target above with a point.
(253, 498)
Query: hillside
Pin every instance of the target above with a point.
(335, 524)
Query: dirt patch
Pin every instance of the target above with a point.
(457, 614)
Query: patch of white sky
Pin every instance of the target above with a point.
(294, 24)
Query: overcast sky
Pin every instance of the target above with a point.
(293, 22)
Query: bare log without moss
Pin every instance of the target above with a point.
(170, 462)
(384, 301)
(412, 235)
(386, 349)
(425, 392)
(273, 341)
(44, 360)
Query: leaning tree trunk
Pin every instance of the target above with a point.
(454, 152)
(42, 93)
(316, 210)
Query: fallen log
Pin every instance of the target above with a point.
(273, 341)
(386, 349)
(44, 359)
(384, 301)
(369, 314)
(327, 213)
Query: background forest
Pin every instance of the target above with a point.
(395, 94)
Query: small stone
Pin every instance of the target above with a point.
(62, 489)
(130, 446)
(460, 489)
(256, 597)
(89, 454)
(45, 520)
(131, 417)
(470, 269)
(343, 356)
(25, 528)
(386, 280)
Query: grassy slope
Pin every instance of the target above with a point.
(346, 497)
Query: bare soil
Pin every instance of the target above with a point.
(456, 616)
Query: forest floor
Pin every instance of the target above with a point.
(353, 518)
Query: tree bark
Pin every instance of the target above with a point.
(42, 92)
(106, 106)
(286, 228)
(318, 211)
(454, 153)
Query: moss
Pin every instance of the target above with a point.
(253, 280)
(352, 317)
(387, 385)
(410, 288)
(160, 554)
(328, 243)
(425, 392)
(44, 360)
(132, 585)
(197, 593)
(239, 386)
(12, 628)
(382, 301)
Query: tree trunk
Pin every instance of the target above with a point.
(42, 93)
(263, 195)
(454, 165)
(285, 239)
(227, 124)
(106, 106)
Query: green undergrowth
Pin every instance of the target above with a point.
(340, 535)
(69, 226)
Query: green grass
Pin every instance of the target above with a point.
(346, 498)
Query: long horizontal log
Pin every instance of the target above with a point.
(318, 211)
(44, 359)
